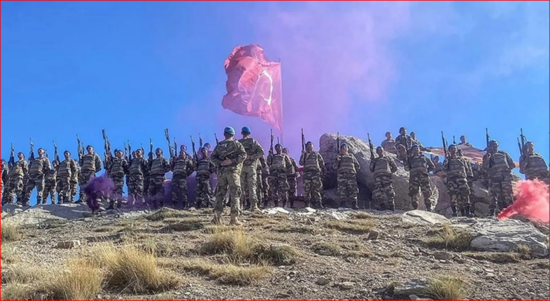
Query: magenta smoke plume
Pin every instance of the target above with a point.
(97, 188)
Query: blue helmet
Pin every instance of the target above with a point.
(414, 146)
(278, 145)
(246, 130)
(229, 130)
(343, 145)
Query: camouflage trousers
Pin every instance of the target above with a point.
(34, 181)
(420, 181)
(74, 189)
(347, 188)
(249, 184)
(14, 188)
(259, 187)
(83, 178)
(279, 186)
(203, 192)
(50, 188)
(459, 191)
(542, 176)
(313, 186)
(179, 189)
(228, 181)
(292, 189)
(264, 191)
(383, 193)
(135, 187)
(64, 189)
(156, 188)
(146, 184)
(502, 193)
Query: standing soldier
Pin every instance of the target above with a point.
(419, 166)
(403, 143)
(291, 178)
(457, 173)
(263, 184)
(346, 166)
(74, 181)
(471, 177)
(464, 142)
(278, 165)
(157, 171)
(50, 186)
(4, 176)
(182, 166)
(499, 166)
(228, 157)
(66, 172)
(17, 172)
(314, 166)
(383, 169)
(254, 151)
(532, 165)
(38, 167)
(90, 164)
(138, 168)
(116, 168)
(205, 168)
(389, 144)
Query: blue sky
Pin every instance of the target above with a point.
(135, 68)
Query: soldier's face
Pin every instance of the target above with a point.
(203, 153)
(403, 132)
(494, 147)
(183, 148)
(40, 152)
(119, 154)
(379, 152)
(530, 148)
(138, 153)
(309, 147)
(67, 155)
(413, 135)
(159, 153)
(452, 150)
(90, 150)
(388, 135)
(278, 149)
(415, 151)
(345, 150)
(20, 155)
(463, 139)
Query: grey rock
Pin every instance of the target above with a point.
(68, 244)
(420, 217)
(346, 285)
(441, 255)
(322, 281)
(412, 287)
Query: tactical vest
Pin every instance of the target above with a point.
(158, 167)
(456, 168)
(347, 164)
(278, 162)
(382, 166)
(88, 162)
(498, 162)
(51, 175)
(203, 167)
(136, 167)
(77, 170)
(417, 162)
(227, 149)
(536, 164)
(312, 162)
(19, 169)
(38, 166)
(389, 145)
(290, 170)
(248, 144)
(404, 140)
(180, 166)
(117, 167)
(64, 170)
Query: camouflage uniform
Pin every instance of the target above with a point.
(419, 166)
(499, 168)
(203, 191)
(116, 167)
(406, 142)
(17, 171)
(263, 182)
(65, 174)
(346, 166)
(457, 171)
(389, 146)
(278, 164)
(37, 170)
(181, 167)
(5, 177)
(249, 185)
(291, 178)
(383, 194)
(157, 171)
(74, 181)
(533, 167)
(313, 164)
(50, 187)
(137, 169)
(229, 177)
(90, 165)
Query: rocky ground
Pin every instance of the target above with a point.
(282, 254)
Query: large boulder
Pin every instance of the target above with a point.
(361, 150)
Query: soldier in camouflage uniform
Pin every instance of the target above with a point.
(228, 157)
(138, 168)
(158, 168)
(419, 167)
(417, 142)
(471, 177)
(182, 166)
(4, 176)
(457, 173)
(38, 167)
(254, 151)
(74, 182)
(314, 166)
(346, 167)
(464, 142)
(383, 169)
(50, 187)
(403, 143)
(90, 164)
(291, 176)
(499, 166)
(263, 182)
(205, 168)
(278, 165)
(17, 171)
(532, 165)
(389, 144)
(116, 168)
(66, 172)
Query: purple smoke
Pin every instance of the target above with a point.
(98, 188)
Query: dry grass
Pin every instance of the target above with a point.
(165, 213)
(327, 249)
(450, 238)
(351, 226)
(227, 273)
(302, 229)
(184, 224)
(18, 291)
(10, 232)
(9, 254)
(447, 288)
(105, 229)
(133, 270)
(23, 274)
(212, 229)
(525, 252)
(80, 281)
(496, 257)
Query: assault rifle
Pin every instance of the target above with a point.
(151, 149)
(107, 146)
(56, 154)
(167, 135)
(522, 145)
(303, 141)
(271, 144)
(80, 147)
(371, 147)
(200, 141)
(194, 150)
(487, 138)
(11, 161)
(216, 136)
(338, 142)
(444, 141)
(31, 157)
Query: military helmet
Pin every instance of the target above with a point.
(246, 130)
(229, 130)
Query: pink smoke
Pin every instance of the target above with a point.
(531, 201)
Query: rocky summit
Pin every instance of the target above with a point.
(63, 252)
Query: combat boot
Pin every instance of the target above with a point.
(414, 204)
(354, 205)
(429, 207)
(234, 220)
(217, 220)
(454, 211)
(462, 212)
(467, 211)
(492, 212)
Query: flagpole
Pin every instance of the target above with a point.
(281, 89)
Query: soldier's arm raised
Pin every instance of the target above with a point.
(302, 160)
(430, 164)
